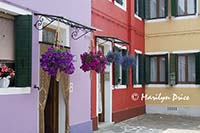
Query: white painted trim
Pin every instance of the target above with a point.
(15, 90)
(137, 86)
(186, 86)
(157, 86)
(13, 10)
(137, 17)
(138, 51)
(119, 86)
(120, 6)
(157, 20)
(157, 53)
(120, 46)
(186, 52)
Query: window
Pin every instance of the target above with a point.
(48, 35)
(183, 7)
(156, 69)
(186, 69)
(120, 75)
(121, 3)
(139, 8)
(156, 9)
(138, 69)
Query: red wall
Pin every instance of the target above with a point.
(114, 21)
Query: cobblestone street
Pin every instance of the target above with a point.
(155, 124)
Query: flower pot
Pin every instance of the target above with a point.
(4, 82)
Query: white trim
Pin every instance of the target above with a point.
(157, 53)
(15, 90)
(157, 20)
(120, 6)
(157, 86)
(138, 51)
(13, 10)
(186, 52)
(184, 17)
(137, 17)
(186, 86)
(120, 87)
(137, 86)
(120, 46)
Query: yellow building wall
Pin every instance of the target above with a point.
(173, 34)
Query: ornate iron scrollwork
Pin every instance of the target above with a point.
(79, 30)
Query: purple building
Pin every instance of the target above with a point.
(19, 112)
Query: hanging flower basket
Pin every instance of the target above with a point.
(114, 57)
(5, 74)
(93, 61)
(128, 61)
(57, 59)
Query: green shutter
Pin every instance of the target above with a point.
(147, 69)
(195, 6)
(125, 72)
(166, 68)
(173, 69)
(141, 69)
(141, 8)
(146, 9)
(174, 7)
(116, 69)
(197, 60)
(23, 50)
(166, 8)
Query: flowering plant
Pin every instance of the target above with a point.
(93, 61)
(128, 61)
(6, 72)
(114, 57)
(57, 59)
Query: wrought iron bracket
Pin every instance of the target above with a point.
(78, 30)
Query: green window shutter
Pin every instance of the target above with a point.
(195, 6)
(134, 72)
(147, 69)
(141, 8)
(166, 8)
(174, 7)
(23, 50)
(173, 69)
(166, 68)
(146, 9)
(141, 69)
(125, 72)
(116, 69)
(197, 60)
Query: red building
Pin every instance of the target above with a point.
(115, 93)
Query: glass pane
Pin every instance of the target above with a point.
(190, 6)
(137, 69)
(161, 8)
(162, 69)
(48, 36)
(153, 13)
(153, 69)
(136, 7)
(191, 68)
(181, 7)
(181, 68)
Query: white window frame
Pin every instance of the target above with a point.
(137, 85)
(120, 86)
(121, 6)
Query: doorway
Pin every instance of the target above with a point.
(104, 87)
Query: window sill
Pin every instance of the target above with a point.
(157, 86)
(137, 86)
(137, 17)
(120, 6)
(157, 20)
(15, 90)
(184, 17)
(186, 86)
(119, 86)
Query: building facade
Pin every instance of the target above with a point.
(172, 57)
(120, 28)
(20, 113)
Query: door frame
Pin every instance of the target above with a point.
(108, 92)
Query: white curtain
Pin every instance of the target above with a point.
(181, 7)
(190, 6)
(162, 69)
(99, 95)
(161, 8)
(181, 68)
(153, 64)
(153, 13)
(191, 68)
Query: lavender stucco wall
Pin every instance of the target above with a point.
(19, 114)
